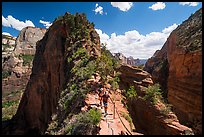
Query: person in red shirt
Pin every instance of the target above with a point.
(105, 98)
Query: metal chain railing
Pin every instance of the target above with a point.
(115, 109)
(119, 116)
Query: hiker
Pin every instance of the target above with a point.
(100, 94)
(105, 100)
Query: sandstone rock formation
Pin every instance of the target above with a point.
(26, 41)
(183, 51)
(8, 42)
(51, 72)
(185, 70)
(129, 60)
(157, 66)
(134, 76)
(150, 120)
(15, 55)
(120, 57)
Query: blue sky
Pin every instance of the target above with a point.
(136, 29)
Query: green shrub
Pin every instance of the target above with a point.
(128, 118)
(5, 74)
(94, 116)
(84, 120)
(114, 82)
(6, 46)
(167, 109)
(27, 59)
(9, 103)
(153, 93)
(131, 92)
(9, 109)
(9, 112)
(79, 53)
(106, 63)
(141, 66)
(71, 96)
(69, 59)
(87, 71)
(114, 85)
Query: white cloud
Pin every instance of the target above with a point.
(6, 33)
(189, 3)
(15, 23)
(134, 44)
(124, 6)
(169, 29)
(99, 9)
(158, 6)
(5, 22)
(47, 24)
(96, 5)
(103, 36)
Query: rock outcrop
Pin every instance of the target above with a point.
(134, 76)
(52, 71)
(183, 51)
(129, 60)
(17, 56)
(8, 43)
(120, 57)
(26, 41)
(150, 119)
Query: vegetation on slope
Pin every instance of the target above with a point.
(10, 104)
(81, 66)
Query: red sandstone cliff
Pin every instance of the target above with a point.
(184, 74)
(50, 73)
(148, 118)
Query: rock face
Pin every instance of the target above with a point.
(149, 120)
(129, 60)
(183, 51)
(185, 70)
(120, 57)
(142, 112)
(15, 56)
(157, 66)
(140, 61)
(134, 76)
(51, 72)
(6, 39)
(26, 41)
(8, 42)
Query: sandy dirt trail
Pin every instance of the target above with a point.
(113, 123)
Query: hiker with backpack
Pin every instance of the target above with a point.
(105, 98)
